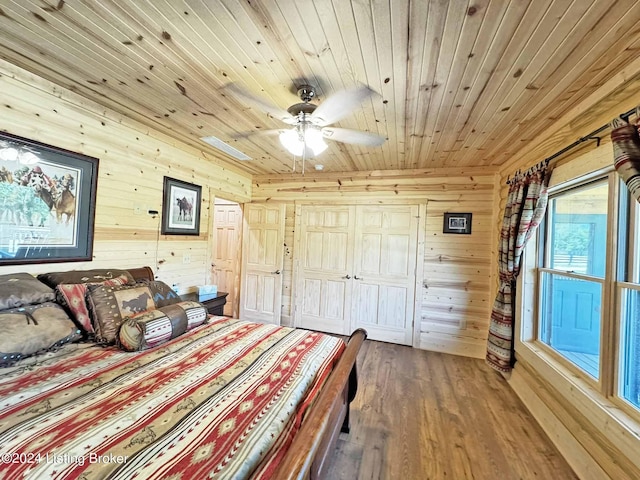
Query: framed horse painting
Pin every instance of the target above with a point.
(180, 208)
(47, 203)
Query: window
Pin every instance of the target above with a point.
(589, 307)
(573, 274)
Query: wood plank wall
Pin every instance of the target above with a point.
(457, 269)
(133, 162)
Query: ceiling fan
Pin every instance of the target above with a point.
(310, 122)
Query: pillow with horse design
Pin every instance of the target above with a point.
(110, 305)
(32, 329)
(148, 329)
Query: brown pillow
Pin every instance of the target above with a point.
(110, 305)
(97, 275)
(32, 329)
(18, 289)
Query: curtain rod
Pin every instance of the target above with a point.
(590, 136)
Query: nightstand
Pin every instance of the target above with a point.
(215, 306)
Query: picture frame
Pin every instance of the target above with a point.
(180, 207)
(47, 202)
(459, 223)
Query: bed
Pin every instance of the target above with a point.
(227, 399)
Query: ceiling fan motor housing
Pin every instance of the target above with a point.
(306, 108)
(306, 93)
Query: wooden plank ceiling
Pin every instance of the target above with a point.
(459, 83)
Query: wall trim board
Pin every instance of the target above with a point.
(417, 309)
(377, 175)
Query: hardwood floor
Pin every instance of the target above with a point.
(426, 415)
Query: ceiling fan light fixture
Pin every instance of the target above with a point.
(311, 123)
(291, 141)
(314, 140)
(310, 137)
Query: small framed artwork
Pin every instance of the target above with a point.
(457, 223)
(180, 208)
(47, 203)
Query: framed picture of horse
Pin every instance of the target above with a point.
(180, 208)
(47, 203)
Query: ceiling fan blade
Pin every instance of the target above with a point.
(339, 105)
(346, 135)
(256, 133)
(254, 101)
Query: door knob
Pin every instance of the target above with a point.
(347, 277)
(358, 278)
(277, 272)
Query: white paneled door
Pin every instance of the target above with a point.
(262, 261)
(386, 242)
(323, 287)
(225, 268)
(357, 269)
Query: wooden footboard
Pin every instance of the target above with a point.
(307, 458)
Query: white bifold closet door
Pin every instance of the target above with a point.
(356, 268)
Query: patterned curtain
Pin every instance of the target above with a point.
(526, 204)
(626, 152)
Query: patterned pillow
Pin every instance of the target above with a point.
(72, 295)
(32, 329)
(18, 289)
(110, 305)
(148, 329)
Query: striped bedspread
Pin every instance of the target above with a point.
(222, 401)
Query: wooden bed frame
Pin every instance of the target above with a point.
(309, 455)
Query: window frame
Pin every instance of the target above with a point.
(607, 387)
(584, 422)
(543, 258)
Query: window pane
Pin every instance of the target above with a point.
(578, 230)
(570, 319)
(630, 347)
